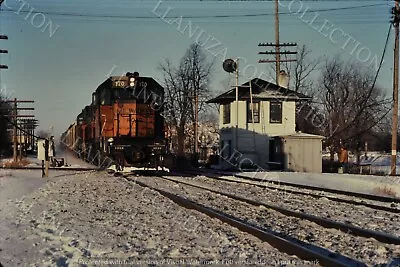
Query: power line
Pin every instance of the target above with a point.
(21, 129)
(383, 55)
(190, 16)
(339, 21)
(188, 1)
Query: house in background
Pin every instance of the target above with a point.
(259, 130)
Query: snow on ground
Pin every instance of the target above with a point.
(113, 168)
(88, 218)
(16, 247)
(369, 184)
(72, 161)
(69, 159)
(380, 162)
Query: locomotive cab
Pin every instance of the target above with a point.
(128, 112)
(123, 122)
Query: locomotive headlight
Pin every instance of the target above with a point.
(131, 81)
(110, 140)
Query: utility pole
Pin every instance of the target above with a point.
(277, 46)
(196, 124)
(15, 116)
(237, 104)
(29, 126)
(278, 57)
(3, 51)
(230, 66)
(395, 21)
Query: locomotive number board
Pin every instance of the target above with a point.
(124, 82)
(120, 83)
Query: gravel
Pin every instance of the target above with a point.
(93, 218)
(360, 216)
(366, 250)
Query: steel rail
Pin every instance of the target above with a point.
(346, 228)
(347, 201)
(315, 188)
(285, 244)
(53, 168)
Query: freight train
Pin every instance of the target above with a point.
(123, 123)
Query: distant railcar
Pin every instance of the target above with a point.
(124, 122)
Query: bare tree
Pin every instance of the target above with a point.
(301, 72)
(350, 102)
(302, 75)
(380, 138)
(182, 83)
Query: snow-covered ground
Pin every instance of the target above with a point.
(380, 162)
(369, 184)
(126, 170)
(69, 159)
(16, 246)
(365, 250)
(89, 218)
(77, 218)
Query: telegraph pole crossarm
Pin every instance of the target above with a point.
(272, 61)
(273, 44)
(17, 122)
(3, 51)
(19, 108)
(274, 53)
(21, 101)
(277, 46)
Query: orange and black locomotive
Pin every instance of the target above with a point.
(124, 122)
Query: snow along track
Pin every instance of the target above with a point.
(348, 228)
(54, 168)
(290, 246)
(371, 201)
(321, 206)
(360, 248)
(84, 219)
(207, 200)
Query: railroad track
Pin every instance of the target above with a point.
(276, 185)
(329, 190)
(327, 223)
(53, 168)
(289, 245)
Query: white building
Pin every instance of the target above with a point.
(254, 130)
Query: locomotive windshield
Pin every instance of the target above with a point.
(122, 94)
(143, 90)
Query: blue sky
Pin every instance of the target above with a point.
(60, 67)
